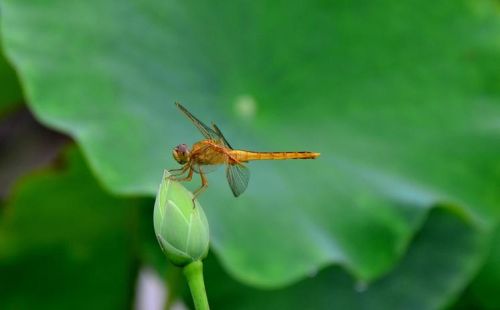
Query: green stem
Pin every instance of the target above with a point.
(194, 276)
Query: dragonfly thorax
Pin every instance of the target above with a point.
(181, 153)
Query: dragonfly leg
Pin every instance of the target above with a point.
(186, 178)
(177, 172)
(204, 185)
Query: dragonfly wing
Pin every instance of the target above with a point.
(204, 168)
(237, 177)
(206, 131)
(221, 136)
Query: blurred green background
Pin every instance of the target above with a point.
(402, 99)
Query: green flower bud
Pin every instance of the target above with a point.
(181, 229)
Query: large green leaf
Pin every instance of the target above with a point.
(432, 273)
(66, 244)
(483, 291)
(400, 97)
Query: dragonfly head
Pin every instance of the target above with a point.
(181, 153)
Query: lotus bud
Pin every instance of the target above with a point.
(181, 228)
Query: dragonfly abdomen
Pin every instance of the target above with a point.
(248, 156)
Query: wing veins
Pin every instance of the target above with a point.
(219, 133)
(206, 131)
(237, 176)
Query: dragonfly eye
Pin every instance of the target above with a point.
(181, 153)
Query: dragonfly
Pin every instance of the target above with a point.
(214, 150)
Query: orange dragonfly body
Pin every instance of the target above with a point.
(215, 150)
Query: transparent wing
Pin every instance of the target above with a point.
(237, 177)
(206, 131)
(204, 168)
(221, 136)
